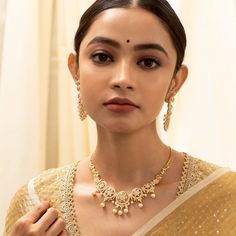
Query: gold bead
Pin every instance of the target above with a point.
(126, 210)
(140, 205)
(132, 202)
(120, 212)
(153, 195)
(102, 204)
(114, 211)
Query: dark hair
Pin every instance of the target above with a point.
(160, 8)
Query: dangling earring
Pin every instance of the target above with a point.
(82, 112)
(168, 114)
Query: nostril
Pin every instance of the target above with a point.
(122, 86)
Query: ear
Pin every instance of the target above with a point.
(177, 82)
(73, 66)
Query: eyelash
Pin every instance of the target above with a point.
(97, 58)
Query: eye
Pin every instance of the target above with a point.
(149, 63)
(101, 58)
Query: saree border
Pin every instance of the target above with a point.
(32, 193)
(179, 201)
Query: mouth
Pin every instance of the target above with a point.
(120, 105)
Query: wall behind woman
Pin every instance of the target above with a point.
(39, 125)
(204, 119)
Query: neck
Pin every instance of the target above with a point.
(127, 160)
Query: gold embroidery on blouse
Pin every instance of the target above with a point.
(194, 170)
(67, 203)
(183, 178)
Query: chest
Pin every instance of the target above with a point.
(93, 219)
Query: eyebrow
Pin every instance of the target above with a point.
(137, 47)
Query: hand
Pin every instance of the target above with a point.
(43, 220)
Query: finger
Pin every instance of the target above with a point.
(47, 219)
(63, 233)
(57, 227)
(37, 212)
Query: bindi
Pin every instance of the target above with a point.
(127, 41)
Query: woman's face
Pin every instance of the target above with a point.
(126, 54)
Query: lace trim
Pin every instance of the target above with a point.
(183, 178)
(67, 203)
(194, 170)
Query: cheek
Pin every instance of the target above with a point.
(91, 86)
(155, 97)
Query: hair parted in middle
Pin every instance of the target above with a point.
(159, 8)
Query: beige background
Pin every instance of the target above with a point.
(39, 125)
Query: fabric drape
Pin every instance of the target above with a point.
(39, 124)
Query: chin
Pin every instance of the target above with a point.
(120, 127)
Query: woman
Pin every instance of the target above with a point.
(128, 62)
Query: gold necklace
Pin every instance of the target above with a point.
(122, 200)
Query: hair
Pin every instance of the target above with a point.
(160, 8)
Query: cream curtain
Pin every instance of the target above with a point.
(39, 125)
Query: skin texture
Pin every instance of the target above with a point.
(145, 77)
(125, 141)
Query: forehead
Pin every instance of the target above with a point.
(134, 24)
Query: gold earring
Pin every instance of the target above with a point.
(82, 112)
(168, 114)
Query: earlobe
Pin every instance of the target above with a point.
(177, 82)
(73, 66)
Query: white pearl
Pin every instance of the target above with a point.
(153, 195)
(126, 210)
(120, 213)
(140, 205)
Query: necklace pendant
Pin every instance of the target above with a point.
(137, 195)
(101, 186)
(109, 194)
(122, 202)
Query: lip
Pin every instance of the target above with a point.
(120, 105)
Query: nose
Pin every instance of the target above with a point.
(123, 77)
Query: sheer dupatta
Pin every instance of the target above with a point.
(207, 208)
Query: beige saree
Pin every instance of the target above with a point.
(205, 203)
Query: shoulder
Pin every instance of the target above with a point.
(194, 170)
(199, 170)
(51, 176)
(45, 186)
(48, 184)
